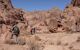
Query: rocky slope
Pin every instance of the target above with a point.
(54, 29)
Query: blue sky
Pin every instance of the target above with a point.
(31, 5)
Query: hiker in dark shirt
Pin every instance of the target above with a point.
(15, 31)
(15, 34)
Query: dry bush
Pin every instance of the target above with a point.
(36, 46)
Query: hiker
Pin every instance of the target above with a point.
(15, 31)
(32, 31)
(15, 34)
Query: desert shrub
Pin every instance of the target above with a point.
(34, 45)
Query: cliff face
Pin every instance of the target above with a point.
(75, 2)
(8, 13)
(5, 4)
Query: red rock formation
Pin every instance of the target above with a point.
(75, 2)
(5, 4)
